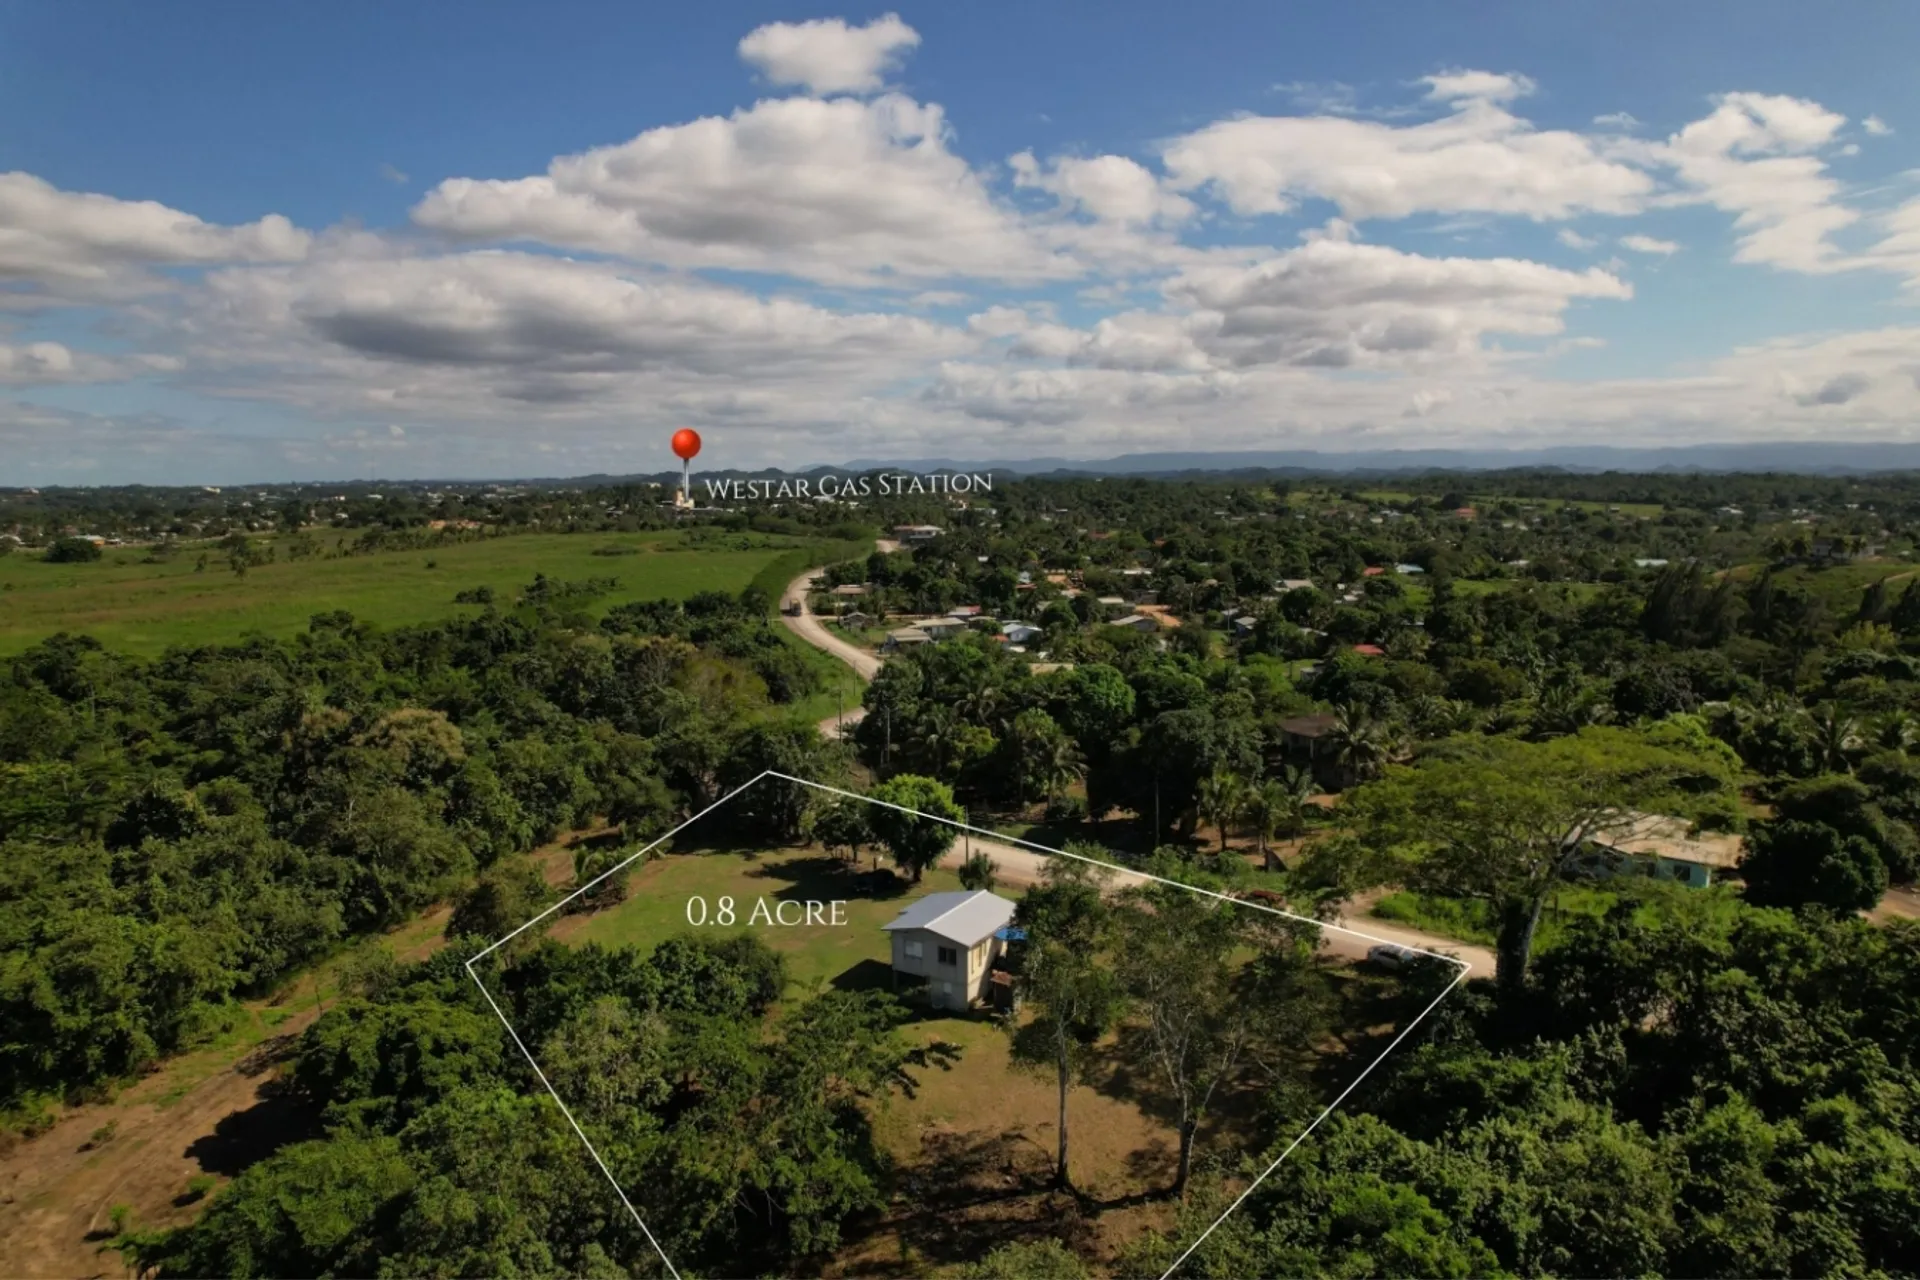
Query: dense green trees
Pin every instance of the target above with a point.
(180, 833)
(1726, 1094)
(742, 1143)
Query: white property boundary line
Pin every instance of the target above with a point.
(1459, 977)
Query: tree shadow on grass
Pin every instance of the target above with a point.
(244, 1138)
(868, 975)
(971, 1193)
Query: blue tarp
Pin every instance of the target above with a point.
(1007, 933)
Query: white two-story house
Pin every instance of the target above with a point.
(949, 941)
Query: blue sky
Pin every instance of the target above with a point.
(243, 241)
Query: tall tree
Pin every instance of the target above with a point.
(1072, 996)
(1506, 821)
(1174, 954)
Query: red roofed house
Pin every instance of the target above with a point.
(1370, 651)
(1373, 571)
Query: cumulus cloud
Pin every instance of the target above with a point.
(1108, 188)
(503, 328)
(1331, 303)
(1620, 120)
(1574, 240)
(1649, 245)
(58, 244)
(1755, 157)
(1337, 304)
(1479, 158)
(841, 191)
(828, 56)
(1876, 126)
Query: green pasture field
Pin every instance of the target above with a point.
(1839, 586)
(142, 609)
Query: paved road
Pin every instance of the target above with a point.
(1021, 867)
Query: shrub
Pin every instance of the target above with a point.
(72, 551)
(1065, 810)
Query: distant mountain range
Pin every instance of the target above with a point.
(1803, 457)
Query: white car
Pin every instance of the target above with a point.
(1391, 955)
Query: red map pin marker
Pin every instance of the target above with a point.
(686, 443)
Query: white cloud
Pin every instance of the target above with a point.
(393, 174)
(483, 332)
(828, 56)
(1487, 86)
(1108, 188)
(841, 191)
(1478, 158)
(1754, 157)
(1648, 244)
(1876, 126)
(1574, 240)
(58, 244)
(1336, 304)
(1330, 303)
(49, 363)
(1621, 120)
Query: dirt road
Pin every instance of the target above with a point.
(58, 1191)
(1350, 935)
(807, 625)
(209, 1111)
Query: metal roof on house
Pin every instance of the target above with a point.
(1660, 835)
(961, 917)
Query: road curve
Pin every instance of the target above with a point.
(807, 625)
(1022, 867)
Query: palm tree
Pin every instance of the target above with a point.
(1278, 806)
(1043, 754)
(1222, 796)
(1058, 764)
(1567, 706)
(934, 734)
(1896, 731)
(1362, 742)
(982, 704)
(1836, 737)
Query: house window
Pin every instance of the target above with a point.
(949, 955)
(913, 950)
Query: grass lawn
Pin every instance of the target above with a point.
(1472, 920)
(855, 954)
(840, 690)
(143, 608)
